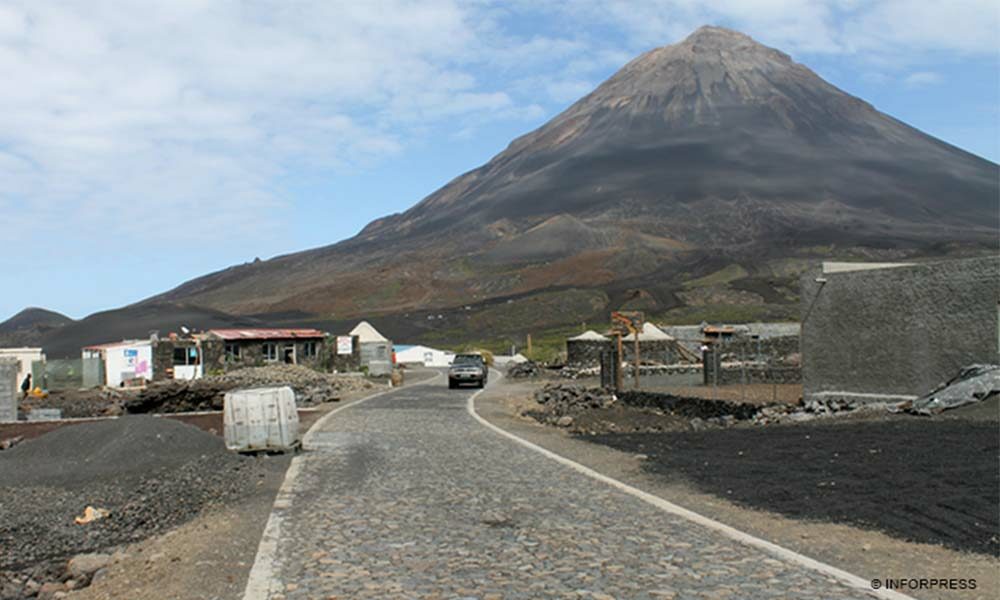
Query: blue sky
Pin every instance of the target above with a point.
(143, 144)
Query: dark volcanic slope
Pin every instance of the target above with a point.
(27, 327)
(134, 322)
(714, 147)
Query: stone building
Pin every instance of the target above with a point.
(895, 331)
(218, 350)
(655, 346)
(585, 350)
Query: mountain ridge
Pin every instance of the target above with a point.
(714, 151)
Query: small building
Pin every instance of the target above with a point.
(376, 349)
(654, 346)
(25, 358)
(585, 349)
(423, 355)
(259, 346)
(118, 364)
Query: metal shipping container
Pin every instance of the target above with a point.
(261, 419)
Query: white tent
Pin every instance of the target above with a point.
(429, 357)
(589, 336)
(366, 333)
(649, 333)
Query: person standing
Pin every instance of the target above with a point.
(26, 386)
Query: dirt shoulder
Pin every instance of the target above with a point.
(866, 553)
(209, 557)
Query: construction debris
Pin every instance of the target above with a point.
(972, 384)
(91, 514)
(208, 393)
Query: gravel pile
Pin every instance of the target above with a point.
(563, 399)
(208, 393)
(150, 474)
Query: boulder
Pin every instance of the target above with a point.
(82, 566)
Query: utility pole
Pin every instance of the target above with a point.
(637, 363)
(618, 363)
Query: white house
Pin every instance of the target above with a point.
(429, 357)
(123, 361)
(24, 358)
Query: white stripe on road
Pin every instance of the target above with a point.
(262, 582)
(849, 579)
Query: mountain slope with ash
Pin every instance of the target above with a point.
(695, 156)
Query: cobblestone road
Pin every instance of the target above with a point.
(407, 496)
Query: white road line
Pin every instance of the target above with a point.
(262, 582)
(851, 580)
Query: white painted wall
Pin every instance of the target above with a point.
(429, 357)
(128, 360)
(24, 357)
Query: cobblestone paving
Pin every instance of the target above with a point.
(406, 496)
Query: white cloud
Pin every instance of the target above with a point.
(922, 79)
(184, 113)
(192, 110)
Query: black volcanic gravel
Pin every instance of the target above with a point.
(924, 480)
(151, 473)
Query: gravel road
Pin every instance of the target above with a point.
(407, 496)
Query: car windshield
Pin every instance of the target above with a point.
(468, 359)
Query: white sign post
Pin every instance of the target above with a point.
(345, 344)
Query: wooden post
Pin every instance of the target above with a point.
(637, 360)
(618, 363)
(529, 345)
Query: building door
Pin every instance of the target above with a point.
(288, 353)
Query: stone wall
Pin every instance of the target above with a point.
(774, 349)
(659, 351)
(343, 363)
(898, 331)
(586, 353)
(8, 389)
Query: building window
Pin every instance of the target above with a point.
(185, 356)
(309, 349)
(270, 352)
(232, 352)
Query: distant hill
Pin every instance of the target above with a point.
(29, 326)
(134, 322)
(698, 180)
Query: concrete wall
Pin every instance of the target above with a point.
(24, 357)
(8, 389)
(897, 331)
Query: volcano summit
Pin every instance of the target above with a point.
(714, 155)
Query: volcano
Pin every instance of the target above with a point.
(702, 174)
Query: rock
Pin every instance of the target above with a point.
(82, 566)
(49, 590)
(564, 421)
(99, 575)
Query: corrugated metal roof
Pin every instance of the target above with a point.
(116, 344)
(266, 334)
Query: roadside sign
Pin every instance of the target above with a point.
(344, 344)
